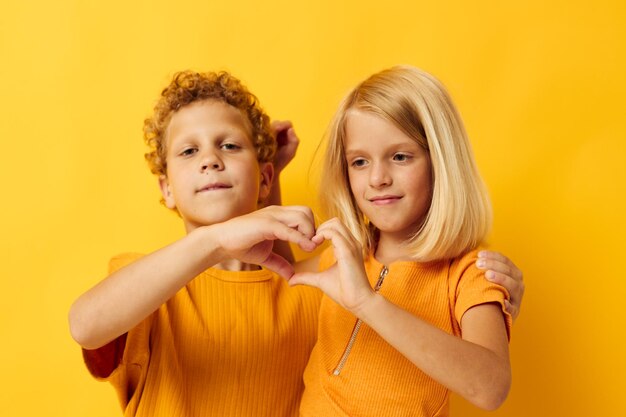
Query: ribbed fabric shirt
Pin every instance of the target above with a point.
(228, 344)
(375, 379)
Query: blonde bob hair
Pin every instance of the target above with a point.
(459, 216)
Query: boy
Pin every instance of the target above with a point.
(197, 328)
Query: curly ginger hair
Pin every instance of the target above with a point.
(188, 87)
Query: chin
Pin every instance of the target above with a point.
(224, 216)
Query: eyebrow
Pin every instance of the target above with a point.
(350, 152)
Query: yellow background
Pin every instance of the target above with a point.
(541, 86)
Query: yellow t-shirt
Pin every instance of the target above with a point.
(227, 344)
(375, 379)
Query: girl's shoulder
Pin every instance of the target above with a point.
(464, 261)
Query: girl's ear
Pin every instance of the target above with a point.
(267, 179)
(166, 192)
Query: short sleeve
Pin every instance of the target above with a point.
(471, 288)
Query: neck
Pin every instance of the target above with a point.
(390, 249)
(236, 265)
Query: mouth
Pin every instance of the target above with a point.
(384, 199)
(214, 187)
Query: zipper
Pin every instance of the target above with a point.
(357, 326)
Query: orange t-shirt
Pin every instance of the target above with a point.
(227, 344)
(375, 379)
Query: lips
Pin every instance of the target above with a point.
(384, 199)
(216, 186)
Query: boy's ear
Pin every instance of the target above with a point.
(168, 198)
(267, 179)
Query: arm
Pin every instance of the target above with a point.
(129, 295)
(287, 145)
(500, 270)
(287, 142)
(475, 366)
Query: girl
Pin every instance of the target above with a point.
(415, 319)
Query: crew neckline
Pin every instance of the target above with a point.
(371, 259)
(258, 275)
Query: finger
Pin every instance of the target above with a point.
(281, 124)
(514, 287)
(344, 244)
(307, 223)
(287, 142)
(299, 218)
(318, 239)
(338, 226)
(499, 263)
(278, 125)
(345, 247)
(281, 130)
(279, 265)
(332, 229)
(292, 138)
(490, 254)
(283, 232)
(494, 265)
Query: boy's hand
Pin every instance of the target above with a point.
(287, 142)
(250, 238)
(499, 269)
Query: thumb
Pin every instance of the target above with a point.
(305, 278)
(279, 265)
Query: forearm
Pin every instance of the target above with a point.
(480, 375)
(122, 300)
(274, 198)
(281, 247)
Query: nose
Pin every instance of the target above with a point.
(379, 175)
(211, 161)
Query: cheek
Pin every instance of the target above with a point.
(420, 183)
(429, 183)
(426, 189)
(425, 181)
(251, 176)
(355, 182)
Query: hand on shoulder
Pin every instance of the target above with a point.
(501, 270)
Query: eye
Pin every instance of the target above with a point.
(401, 157)
(188, 151)
(358, 162)
(229, 146)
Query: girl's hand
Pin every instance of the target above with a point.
(287, 141)
(501, 270)
(345, 282)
